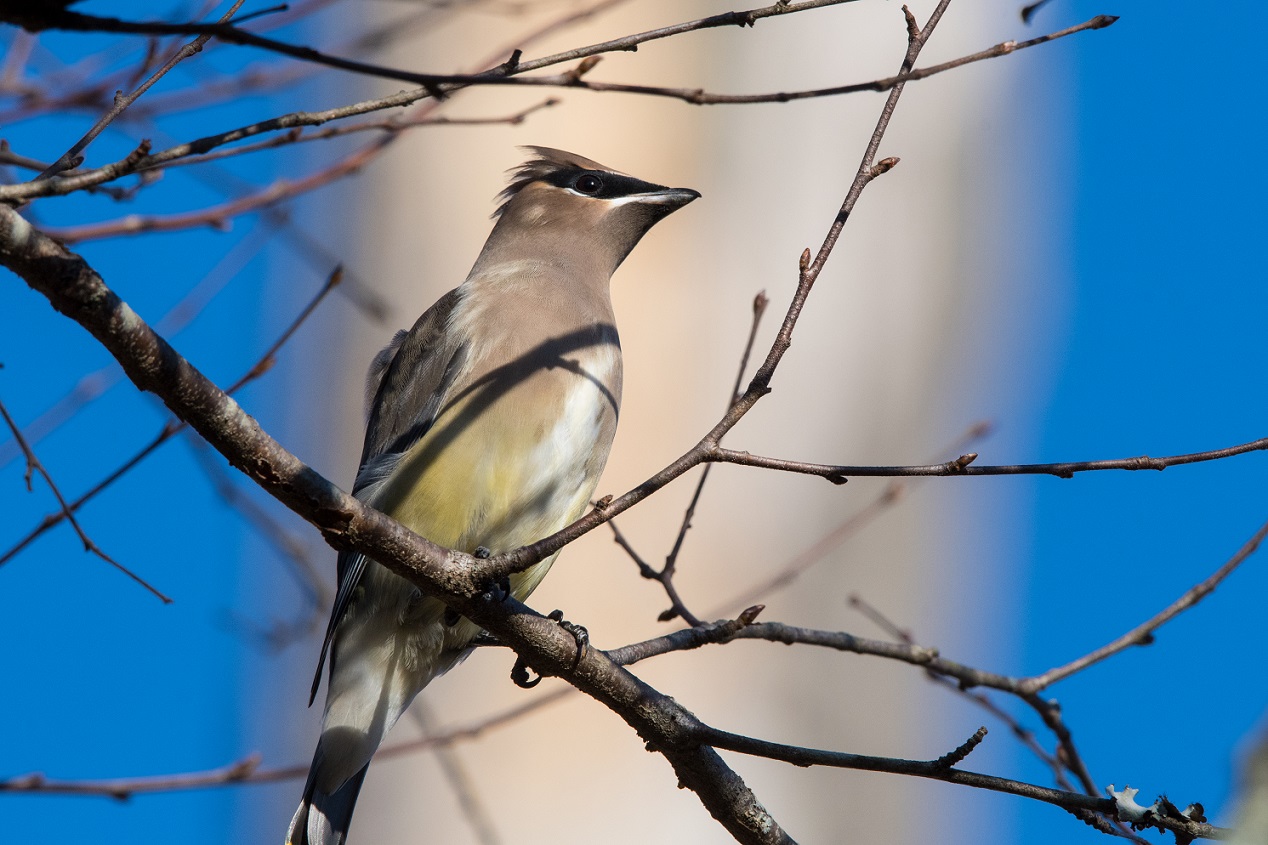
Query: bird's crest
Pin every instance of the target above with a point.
(546, 162)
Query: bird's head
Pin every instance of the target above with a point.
(557, 195)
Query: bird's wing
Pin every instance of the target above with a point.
(407, 384)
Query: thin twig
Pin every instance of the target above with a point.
(218, 216)
(893, 493)
(33, 465)
(73, 157)
(15, 62)
(964, 466)
(800, 756)
(122, 789)
(171, 428)
(433, 81)
(248, 770)
(665, 576)
(1143, 634)
(1027, 737)
(700, 97)
(392, 124)
(95, 384)
(464, 787)
(570, 79)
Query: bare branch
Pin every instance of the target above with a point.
(571, 79)
(219, 216)
(799, 756)
(249, 771)
(700, 97)
(172, 427)
(630, 43)
(665, 575)
(1067, 760)
(844, 530)
(964, 466)
(190, 306)
(123, 789)
(33, 465)
(64, 20)
(1143, 634)
(73, 157)
(517, 560)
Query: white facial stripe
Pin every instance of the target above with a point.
(651, 197)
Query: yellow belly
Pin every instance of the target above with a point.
(500, 475)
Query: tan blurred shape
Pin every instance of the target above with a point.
(891, 361)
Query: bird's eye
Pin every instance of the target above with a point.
(589, 184)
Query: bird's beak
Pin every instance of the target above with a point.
(674, 197)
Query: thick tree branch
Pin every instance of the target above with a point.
(175, 426)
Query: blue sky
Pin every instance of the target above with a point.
(1161, 351)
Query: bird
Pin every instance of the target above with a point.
(489, 423)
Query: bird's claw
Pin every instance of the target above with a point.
(579, 633)
(520, 671)
(499, 591)
(520, 676)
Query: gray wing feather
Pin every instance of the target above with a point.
(407, 384)
(378, 368)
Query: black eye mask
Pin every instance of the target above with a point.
(599, 184)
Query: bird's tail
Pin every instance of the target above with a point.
(323, 817)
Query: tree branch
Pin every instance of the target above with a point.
(33, 465)
(964, 466)
(570, 79)
(1143, 634)
(176, 426)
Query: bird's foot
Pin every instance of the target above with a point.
(520, 676)
(499, 590)
(580, 634)
(520, 671)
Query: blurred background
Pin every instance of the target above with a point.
(1067, 253)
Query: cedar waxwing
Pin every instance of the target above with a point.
(489, 424)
